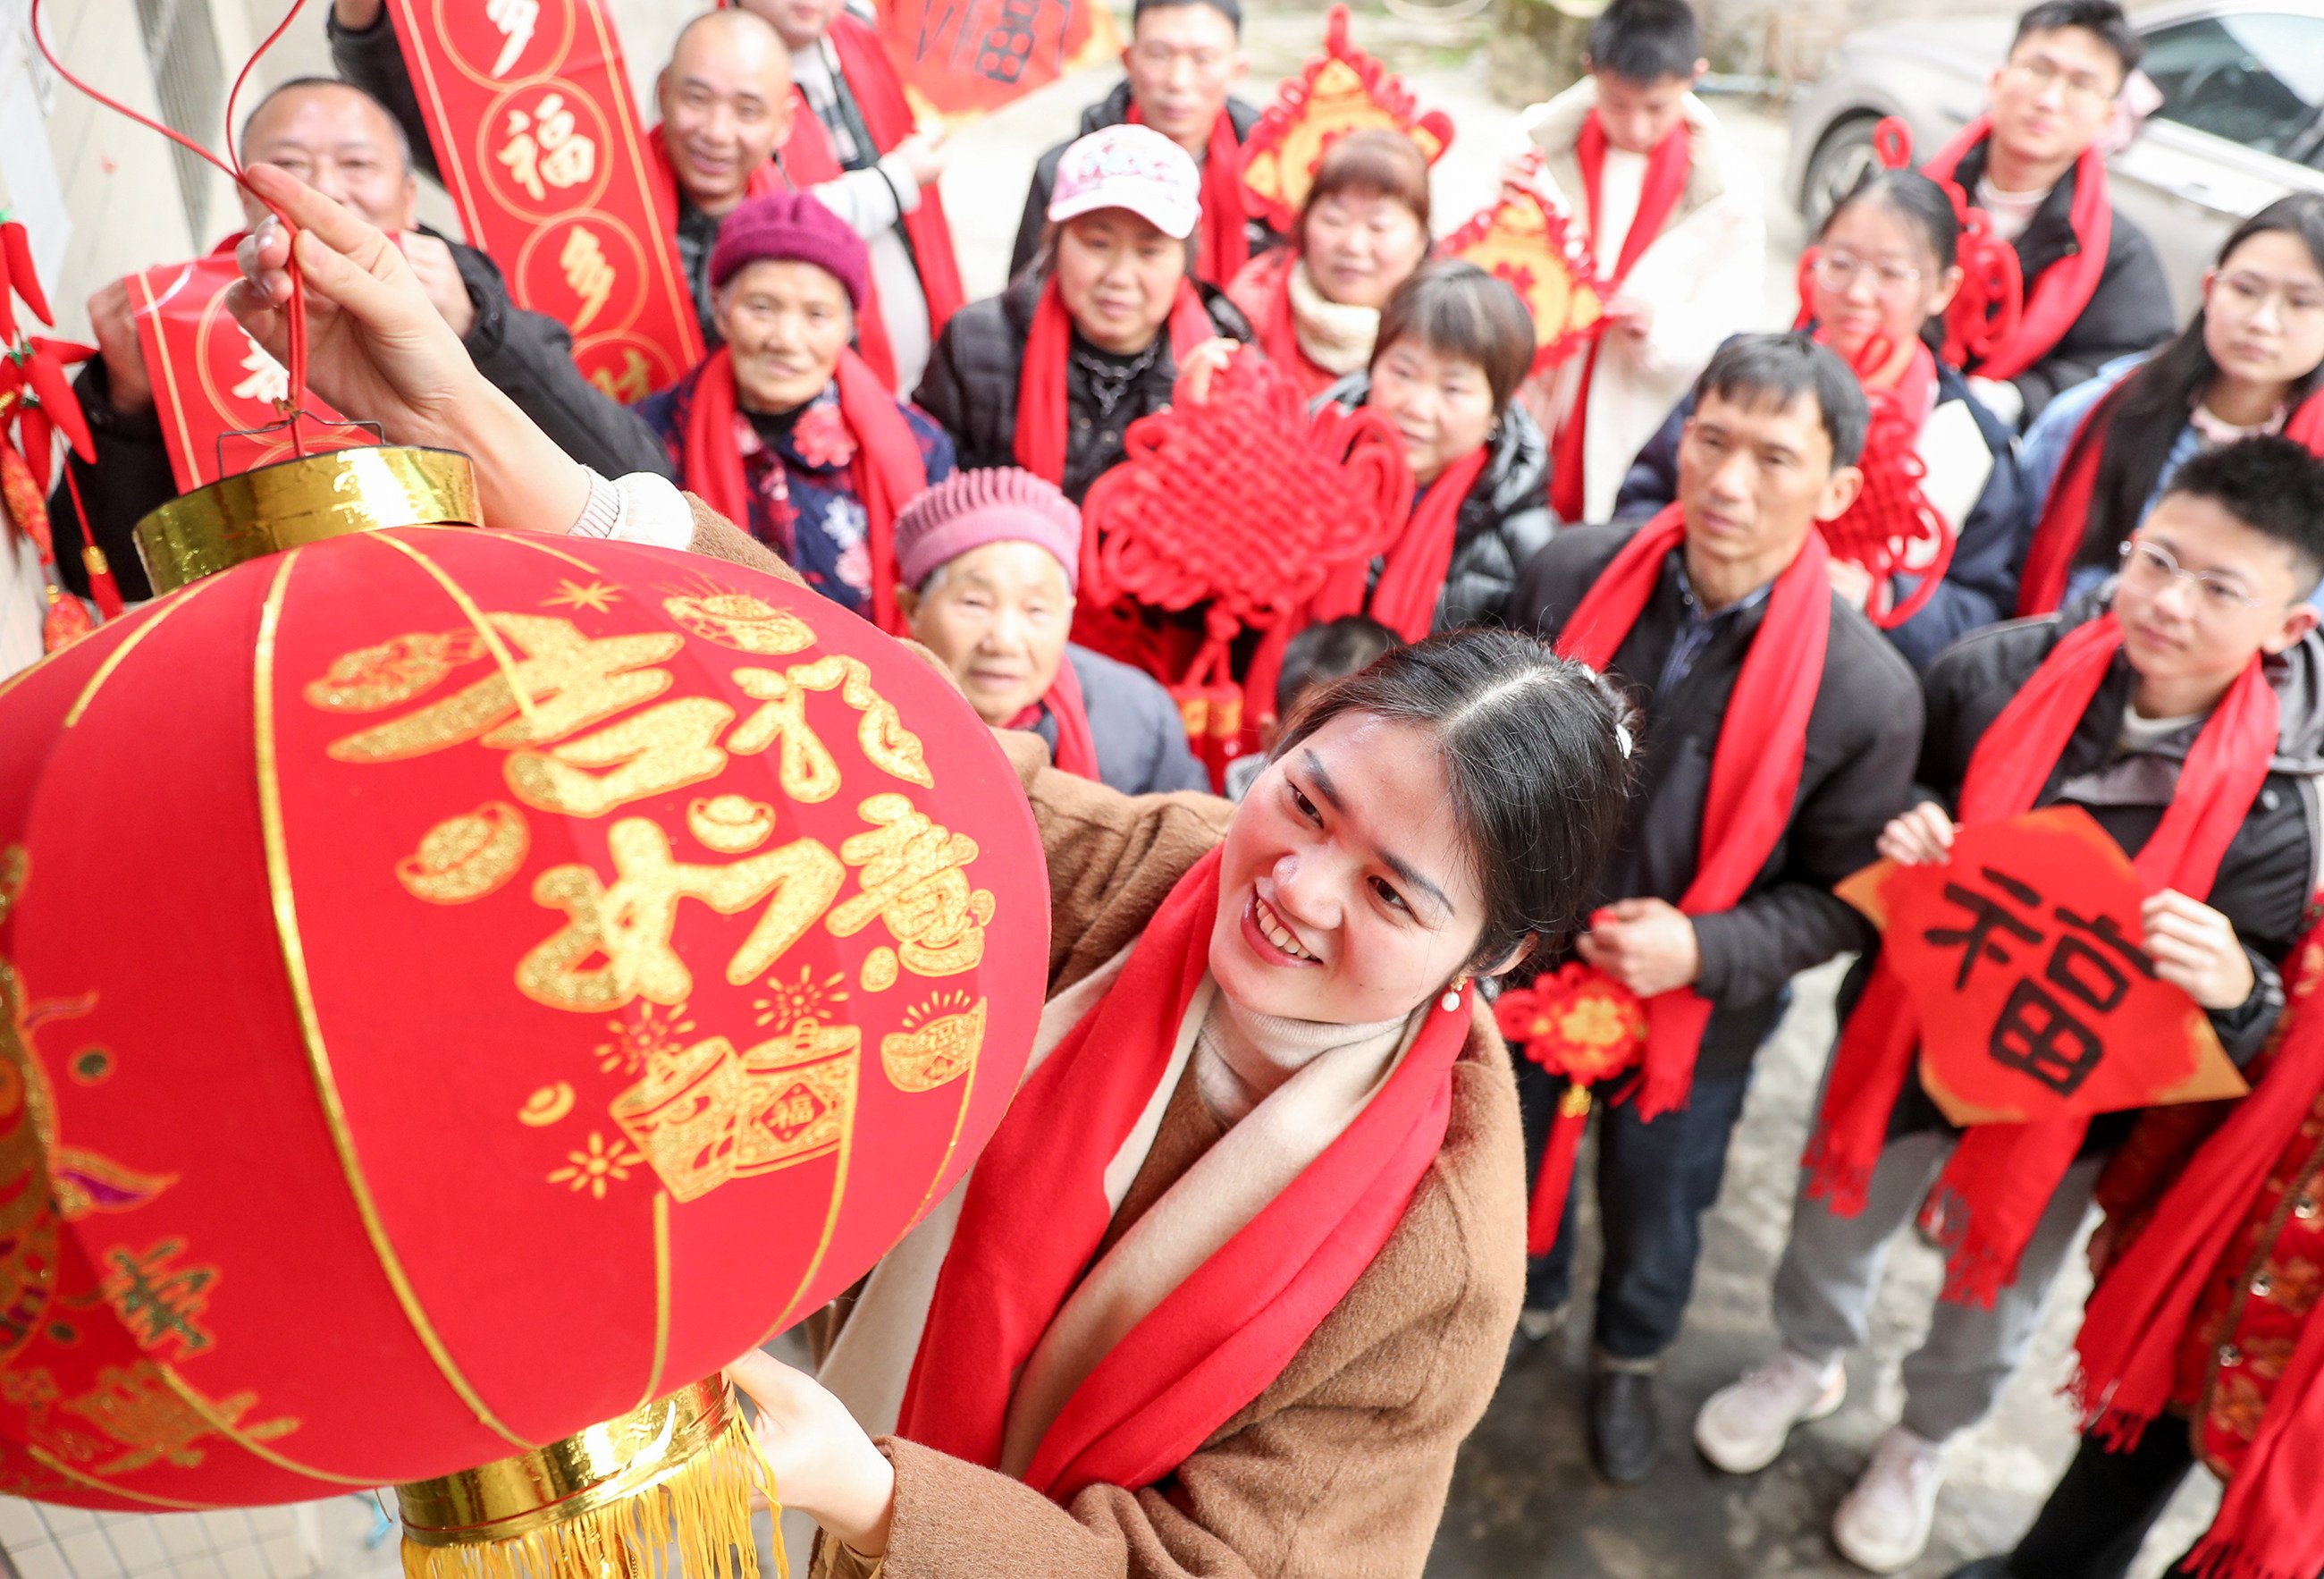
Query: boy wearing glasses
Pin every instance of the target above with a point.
(2094, 288)
(2202, 652)
(1184, 58)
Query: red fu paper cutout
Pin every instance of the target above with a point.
(2022, 957)
(1341, 90)
(1527, 242)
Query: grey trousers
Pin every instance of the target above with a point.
(1831, 1269)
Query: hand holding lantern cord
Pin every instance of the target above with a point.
(377, 347)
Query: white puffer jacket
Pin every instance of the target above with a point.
(1702, 274)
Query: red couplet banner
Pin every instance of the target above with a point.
(960, 59)
(214, 387)
(528, 104)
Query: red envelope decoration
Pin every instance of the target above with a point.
(1522, 239)
(1341, 90)
(2023, 960)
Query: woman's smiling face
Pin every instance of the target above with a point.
(1346, 890)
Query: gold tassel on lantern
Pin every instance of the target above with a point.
(619, 1500)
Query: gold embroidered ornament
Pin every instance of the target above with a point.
(1341, 90)
(1522, 240)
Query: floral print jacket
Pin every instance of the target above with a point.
(804, 502)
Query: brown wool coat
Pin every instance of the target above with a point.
(1338, 1470)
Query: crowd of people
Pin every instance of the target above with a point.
(1241, 1269)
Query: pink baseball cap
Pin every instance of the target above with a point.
(1130, 167)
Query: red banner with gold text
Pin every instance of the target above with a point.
(214, 387)
(528, 104)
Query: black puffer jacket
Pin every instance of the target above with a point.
(970, 385)
(1112, 110)
(2129, 311)
(1863, 737)
(527, 356)
(2271, 867)
(1504, 522)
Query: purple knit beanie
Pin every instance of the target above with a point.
(968, 510)
(791, 227)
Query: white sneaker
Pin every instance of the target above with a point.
(1742, 1426)
(1883, 1524)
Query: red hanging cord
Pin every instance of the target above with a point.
(295, 323)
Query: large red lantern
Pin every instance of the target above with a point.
(461, 990)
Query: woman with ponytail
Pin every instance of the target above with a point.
(1944, 502)
(2251, 362)
(1237, 1271)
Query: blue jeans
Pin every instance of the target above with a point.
(1654, 1182)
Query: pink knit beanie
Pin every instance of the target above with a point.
(791, 227)
(971, 509)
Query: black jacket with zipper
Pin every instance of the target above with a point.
(2129, 311)
(1863, 740)
(1503, 523)
(970, 386)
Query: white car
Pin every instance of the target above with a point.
(2241, 123)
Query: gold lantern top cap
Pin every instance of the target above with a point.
(307, 500)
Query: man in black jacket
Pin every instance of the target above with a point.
(1184, 56)
(1769, 452)
(2051, 100)
(341, 142)
(2216, 574)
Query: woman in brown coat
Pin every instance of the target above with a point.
(1237, 1272)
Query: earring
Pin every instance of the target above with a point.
(1451, 1001)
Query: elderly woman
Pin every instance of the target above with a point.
(784, 427)
(1049, 374)
(1362, 231)
(1237, 1273)
(1454, 344)
(988, 562)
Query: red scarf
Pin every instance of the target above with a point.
(888, 116)
(1668, 167)
(1411, 577)
(1223, 244)
(2001, 1177)
(2065, 288)
(2270, 1524)
(662, 176)
(1076, 752)
(1036, 1212)
(1755, 773)
(1042, 405)
(2064, 523)
(1263, 291)
(887, 473)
